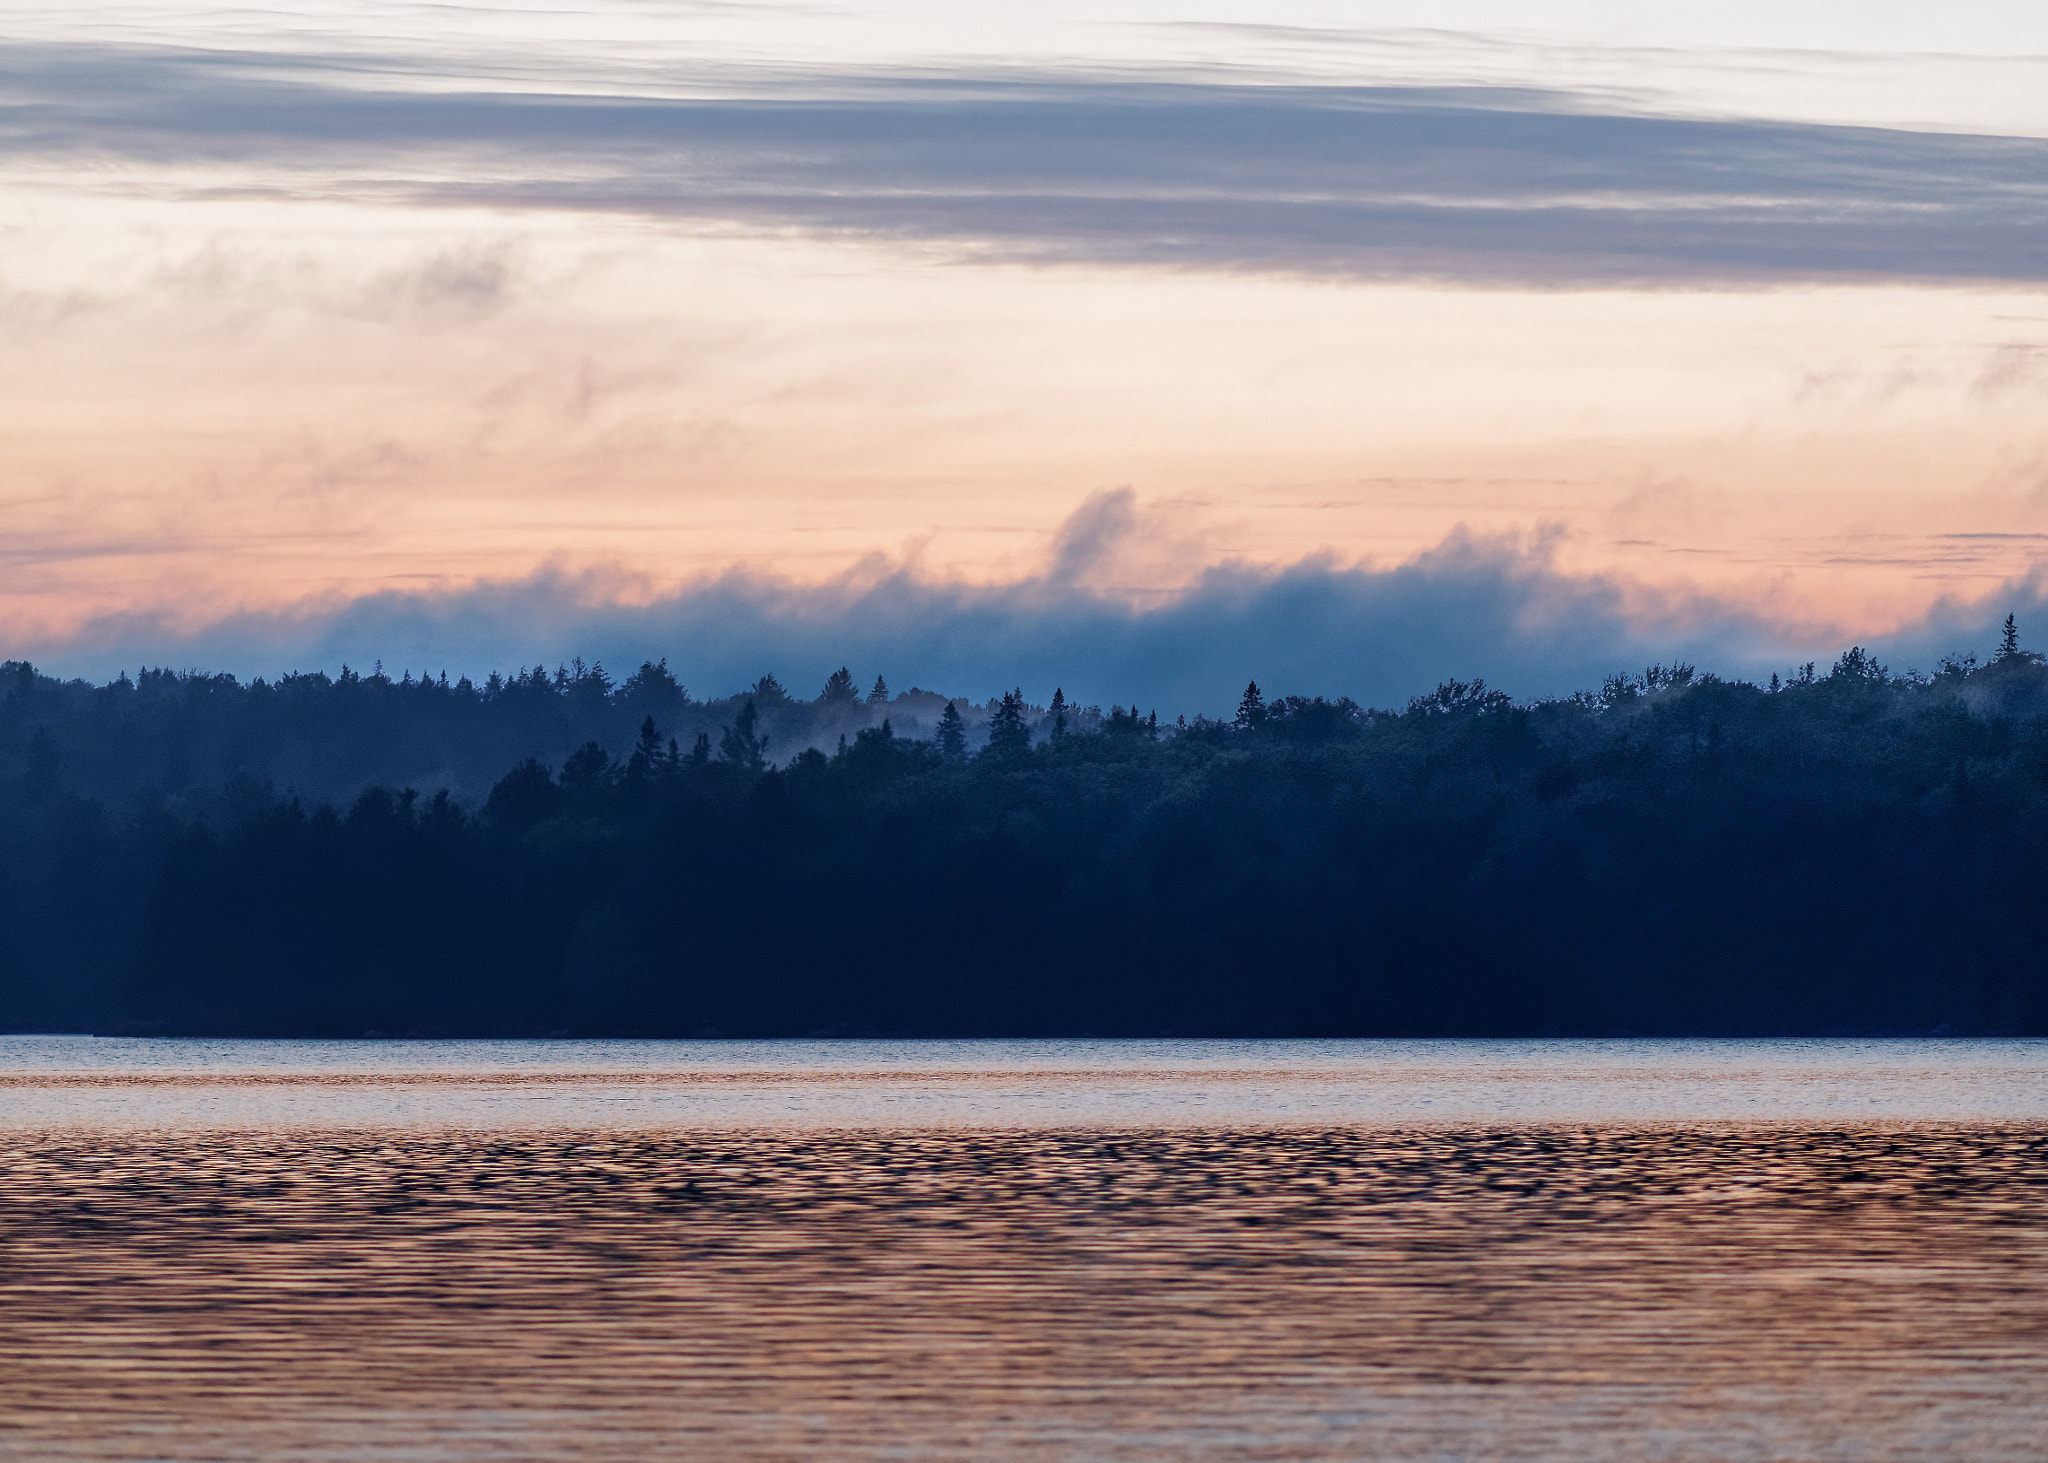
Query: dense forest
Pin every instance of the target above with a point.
(167, 737)
(1849, 852)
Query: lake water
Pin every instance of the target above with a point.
(1056, 1250)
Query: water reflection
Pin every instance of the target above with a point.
(417, 1085)
(1526, 1292)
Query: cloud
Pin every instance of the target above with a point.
(1467, 183)
(463, 283)
(1473, 606)
(1970, 626)
(1090, 534)
(1499, 608)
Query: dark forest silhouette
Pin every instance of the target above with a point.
(1846, 852)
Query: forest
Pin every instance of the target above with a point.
(1854, 851)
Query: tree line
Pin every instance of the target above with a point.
(173, 738)
(1847, 852)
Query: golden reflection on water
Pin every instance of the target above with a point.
(1667, 1294)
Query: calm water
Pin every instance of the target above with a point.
(1107, 1250)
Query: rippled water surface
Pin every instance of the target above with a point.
(1058, 1250)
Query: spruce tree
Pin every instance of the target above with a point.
(1008, 733)
(2009, 641)
(1251, 711)
(646, 753)
(879, 696)
(839, 689)
(739, 745)
(951, 739)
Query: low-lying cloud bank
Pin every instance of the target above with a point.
(1471, 183)
(1495, 609)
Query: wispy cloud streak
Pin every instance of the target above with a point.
(1464, 183)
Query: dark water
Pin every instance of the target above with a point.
(1662, 1289)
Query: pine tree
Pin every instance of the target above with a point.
(646, 753)
(652, 687)
(1059, 713)
(1008, 733)
(839, 689)
(1251, 711)
(739, 745)
(2009, 642)
(951, 739)
(880, 695)
(589, 767)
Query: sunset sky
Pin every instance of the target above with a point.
(1121, 344)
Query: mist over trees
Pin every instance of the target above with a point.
(174, 739)
(1830, 852)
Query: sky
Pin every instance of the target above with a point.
(1119, 345)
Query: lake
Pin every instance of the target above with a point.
(1056, 1250)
